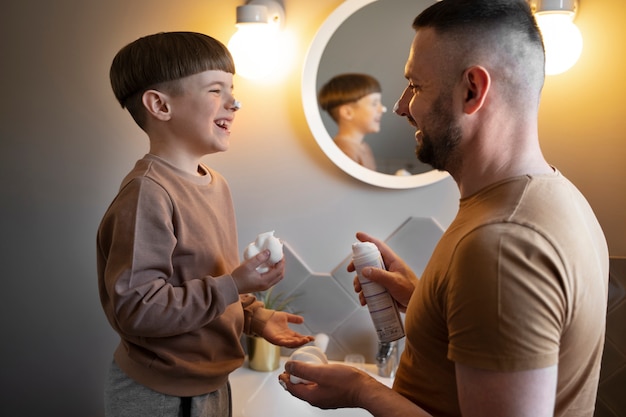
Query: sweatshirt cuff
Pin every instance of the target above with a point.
(259, 319)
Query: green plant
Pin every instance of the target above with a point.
(276, 301)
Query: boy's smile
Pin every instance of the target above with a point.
(199, 118)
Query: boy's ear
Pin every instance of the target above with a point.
(156, 103)
(345, 112)
(476, 83)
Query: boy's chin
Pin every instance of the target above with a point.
(221, 146)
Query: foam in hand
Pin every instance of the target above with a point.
(265, 241)
(310, 354)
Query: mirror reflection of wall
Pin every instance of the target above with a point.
(375, 40)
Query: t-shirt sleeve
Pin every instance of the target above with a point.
(506, 302)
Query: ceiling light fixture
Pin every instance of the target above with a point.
(255, 45)
(561, 37)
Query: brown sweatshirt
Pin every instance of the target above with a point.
(166, 247)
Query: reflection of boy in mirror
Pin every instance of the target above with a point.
(354, 103)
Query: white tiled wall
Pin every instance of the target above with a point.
(328, 302)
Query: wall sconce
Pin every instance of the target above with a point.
(561, 38)
(255, 46)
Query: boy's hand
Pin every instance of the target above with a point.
(277, 330)
(248, 279)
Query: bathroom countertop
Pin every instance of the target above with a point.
(258, 394)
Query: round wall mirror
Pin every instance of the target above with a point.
(372, 37)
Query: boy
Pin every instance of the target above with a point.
(353, 101)
(169, 276)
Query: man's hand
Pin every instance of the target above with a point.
(341, 386)
(398, 279)
(331, 385)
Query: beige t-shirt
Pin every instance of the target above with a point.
(518, 281)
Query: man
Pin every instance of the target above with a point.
(508, 317)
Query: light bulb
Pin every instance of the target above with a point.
(562, 40)
(254, 49)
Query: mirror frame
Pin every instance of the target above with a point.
(314, 118)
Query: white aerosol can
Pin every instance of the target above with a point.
(381, 305)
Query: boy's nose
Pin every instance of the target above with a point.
(236, 105)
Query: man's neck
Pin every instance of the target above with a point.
(472, 180)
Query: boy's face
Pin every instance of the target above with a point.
(367, 112)
(202, 115)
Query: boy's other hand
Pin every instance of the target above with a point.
(248, 279)
(277, 330)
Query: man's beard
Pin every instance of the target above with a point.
(439, 149)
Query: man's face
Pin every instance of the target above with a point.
(426, 103)
(440, 136)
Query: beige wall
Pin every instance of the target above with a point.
(65, 145)
(582, 120)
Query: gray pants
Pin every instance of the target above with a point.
(123, 397)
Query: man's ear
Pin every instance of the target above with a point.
(157, 105)
(477, 82)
